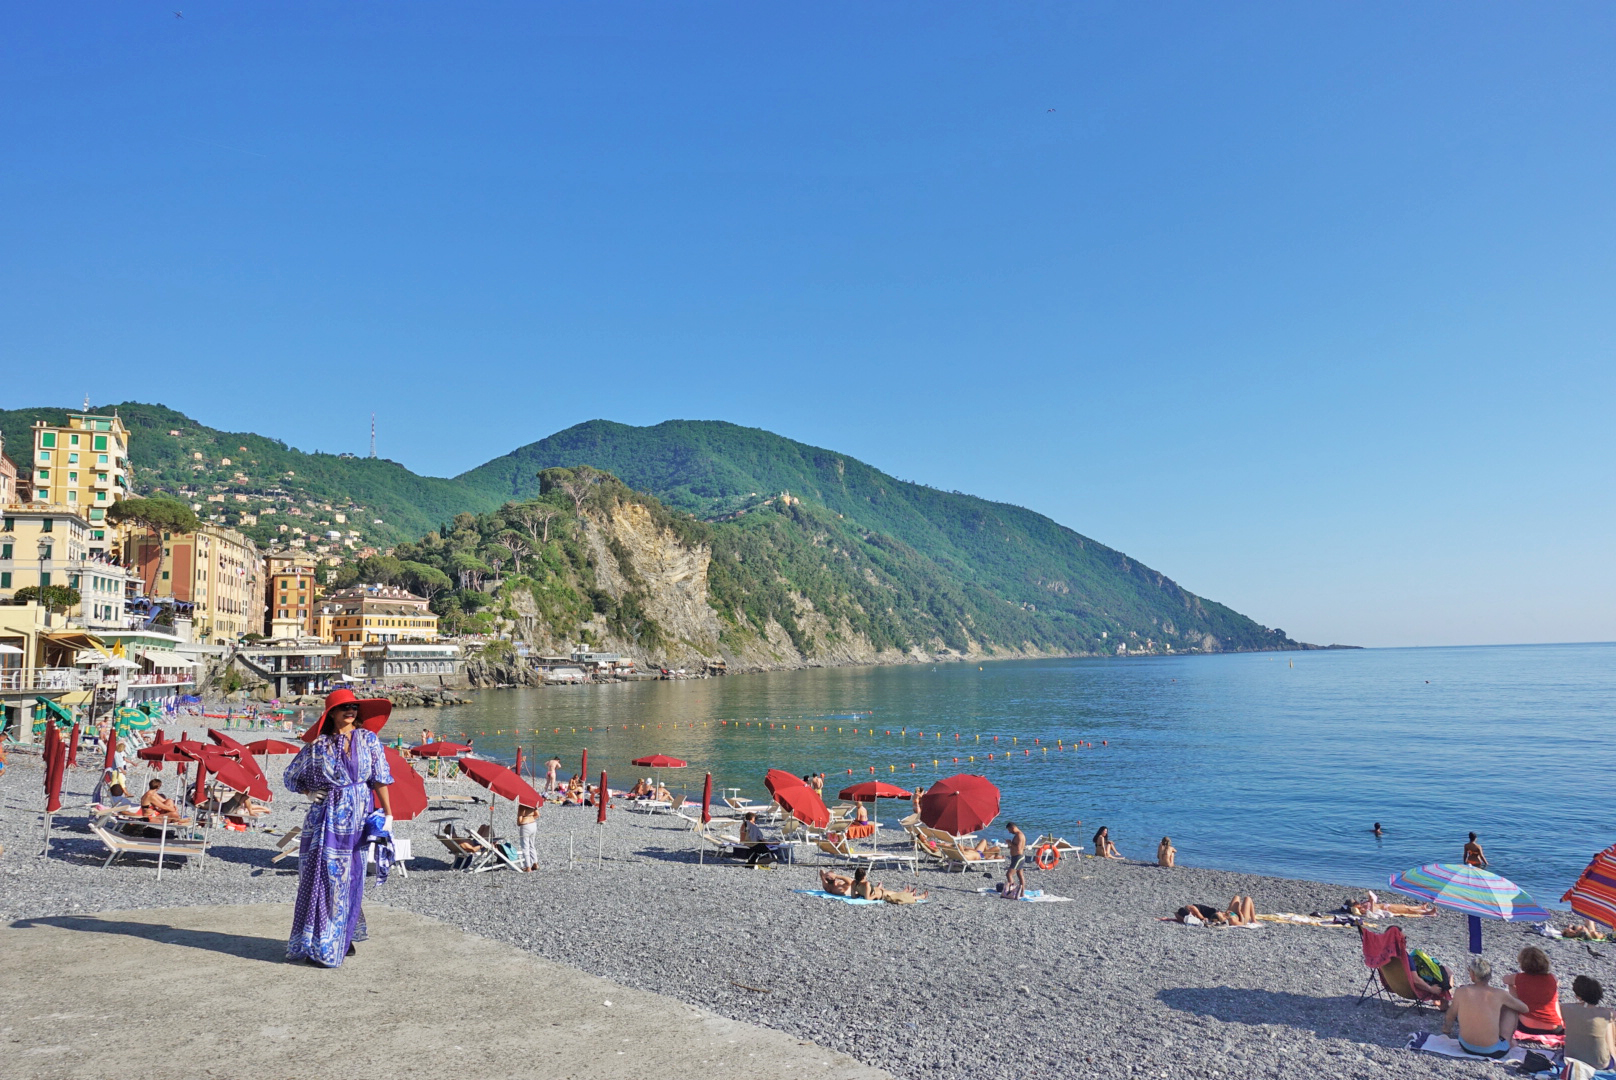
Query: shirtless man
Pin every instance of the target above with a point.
(550, 768)
(1018, 858)
(159, 806)
(1487, 1014)
(835, 883)
(1473, 855)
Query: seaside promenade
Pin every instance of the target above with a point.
(963, 986)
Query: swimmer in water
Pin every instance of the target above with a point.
(1377, 830)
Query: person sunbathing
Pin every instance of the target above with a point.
(906, 895)
(1242, 911)
(241, 805)
(1374, 908)
(1487, 1014)
(640, 790)
(1587, 930)
(159, 807)
(1103, 847)
(982, 849)
(861, 815)
(662, 794)
(1166, 853)
(864, 888)
(835, 884)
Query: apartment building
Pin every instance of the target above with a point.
(290, 594)
(217, 572)
(376, 614)
(84, 466)
(44, 545)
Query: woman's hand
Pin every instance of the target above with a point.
(318, 797)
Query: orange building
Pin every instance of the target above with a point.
(216, 573)
(291, 596)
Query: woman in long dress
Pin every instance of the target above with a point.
(340, 767)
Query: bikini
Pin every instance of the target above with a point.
(1497, 1050)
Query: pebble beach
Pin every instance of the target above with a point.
(965, 985)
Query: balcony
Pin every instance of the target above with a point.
(29, 679)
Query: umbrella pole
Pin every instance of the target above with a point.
(569, 851)
(1475, 934)
(162, 848)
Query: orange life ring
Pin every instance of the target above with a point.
(1047, 857)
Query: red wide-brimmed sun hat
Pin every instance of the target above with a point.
(373, 712)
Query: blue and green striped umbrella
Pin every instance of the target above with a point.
(1476, 892)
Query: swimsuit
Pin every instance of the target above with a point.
(1497, 1050)
(1015, 862)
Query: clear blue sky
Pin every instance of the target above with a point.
(1309, 306)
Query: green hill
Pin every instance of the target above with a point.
(266, 480)
(1070, 593)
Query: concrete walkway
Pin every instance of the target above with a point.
(178, 993)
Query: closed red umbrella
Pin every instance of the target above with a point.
(408, 793)
(707, 799)
(441, 749)
(112, 747)
(871, 790)
(272, 746)
(960, 804)
(583, 767)
(500, 780)
(804, 804)
(518, 769)
(601, 799)
(73, 746)
(55, 756)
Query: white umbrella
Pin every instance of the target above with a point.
(10, 650)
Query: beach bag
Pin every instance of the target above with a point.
(1426, 967)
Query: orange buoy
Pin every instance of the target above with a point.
(1047, 857)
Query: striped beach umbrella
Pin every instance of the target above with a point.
(1476, 892)
(1594, 894)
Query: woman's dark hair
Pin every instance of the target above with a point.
(860, 874)
(154, 785)
(1587, 989)
(327, 725)
(116, 789)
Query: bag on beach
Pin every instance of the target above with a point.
(1426, 967)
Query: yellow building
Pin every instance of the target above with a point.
(290, 595)
(45, 545)
(216, 574)
(84, 466)
(373, 614)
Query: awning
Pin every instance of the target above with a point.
(76, 697)
(164, 658)
(77, 639)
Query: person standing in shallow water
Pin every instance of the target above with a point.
(1473, 854)
(339, 769)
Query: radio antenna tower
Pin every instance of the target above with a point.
(372, 434)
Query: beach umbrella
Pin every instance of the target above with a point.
(229, 772)
(112, 748)
(73, 746)
(500, 780)
(583, 767)
(601, 799)
(871, 790)
(1594, 894)
(658, 762)
(221, 739)
(960, 804)
(1476, 892)
(408, 793)
(272, 746)
(707, 799)
(803, 803)
(777, 780)
(441, 749)
(55, 757)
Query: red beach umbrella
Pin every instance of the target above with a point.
(162, 751)
(232, 774)
(583, 767)
(73, 746)
(777, 780)
(601, 799)
(55, 768)
(659, 761)
(871, 790)
(441, 749)
(112, 747)
(408, 793)
(804, 804)
(272, 746)
(221, 739)
(707, 799)
(500, 780)
(960, 804)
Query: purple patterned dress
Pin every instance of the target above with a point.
(331, 860)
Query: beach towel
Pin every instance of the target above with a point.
(1031, 896)
(1429, 1042)
(823, 895)
(1310, 920)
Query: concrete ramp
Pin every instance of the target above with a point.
(182, 993)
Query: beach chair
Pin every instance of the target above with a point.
(1391, 974)
(288, 845)
(119, 843)
(953, 852)
(842, 850)
(467, 853)
(495, 854)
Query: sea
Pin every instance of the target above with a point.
(1272, 763)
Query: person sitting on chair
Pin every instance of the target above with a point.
(1487, 1014)
(241, 806)
(752, 836)
(159, 807)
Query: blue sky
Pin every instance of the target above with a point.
(1308, 306)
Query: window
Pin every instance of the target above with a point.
(100, 442)
(96, 514)
(44, 457)
(5, 579)
(102, 460)
(98, 534)
(165, 575)
(9, 525)
(44, 579)
(72, 581)
(100, 496)
(48, 525)
(5, 551)
(47, 438)
(44, 476)
(72, 459)
(72, 440)
(72, 496)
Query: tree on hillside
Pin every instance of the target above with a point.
(515, 543)
(535, 518)
(52, 598)
(469, 569)
(424, 580)
(575, 483)
(157, 514)
(381, 570)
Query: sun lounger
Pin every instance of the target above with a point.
(843, 851)
(470, 851)
(288, 845)
(118, 843)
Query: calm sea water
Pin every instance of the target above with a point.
(1268, 763)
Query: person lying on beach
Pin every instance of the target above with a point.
(241, 806)
(906, 895)
(1242, 911)
(982, 849)
(1587, 930)
(1103, 847)
(1166, 853)
(1374, 908)
(835, 884)
(159, 807)
(1486, 1014)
